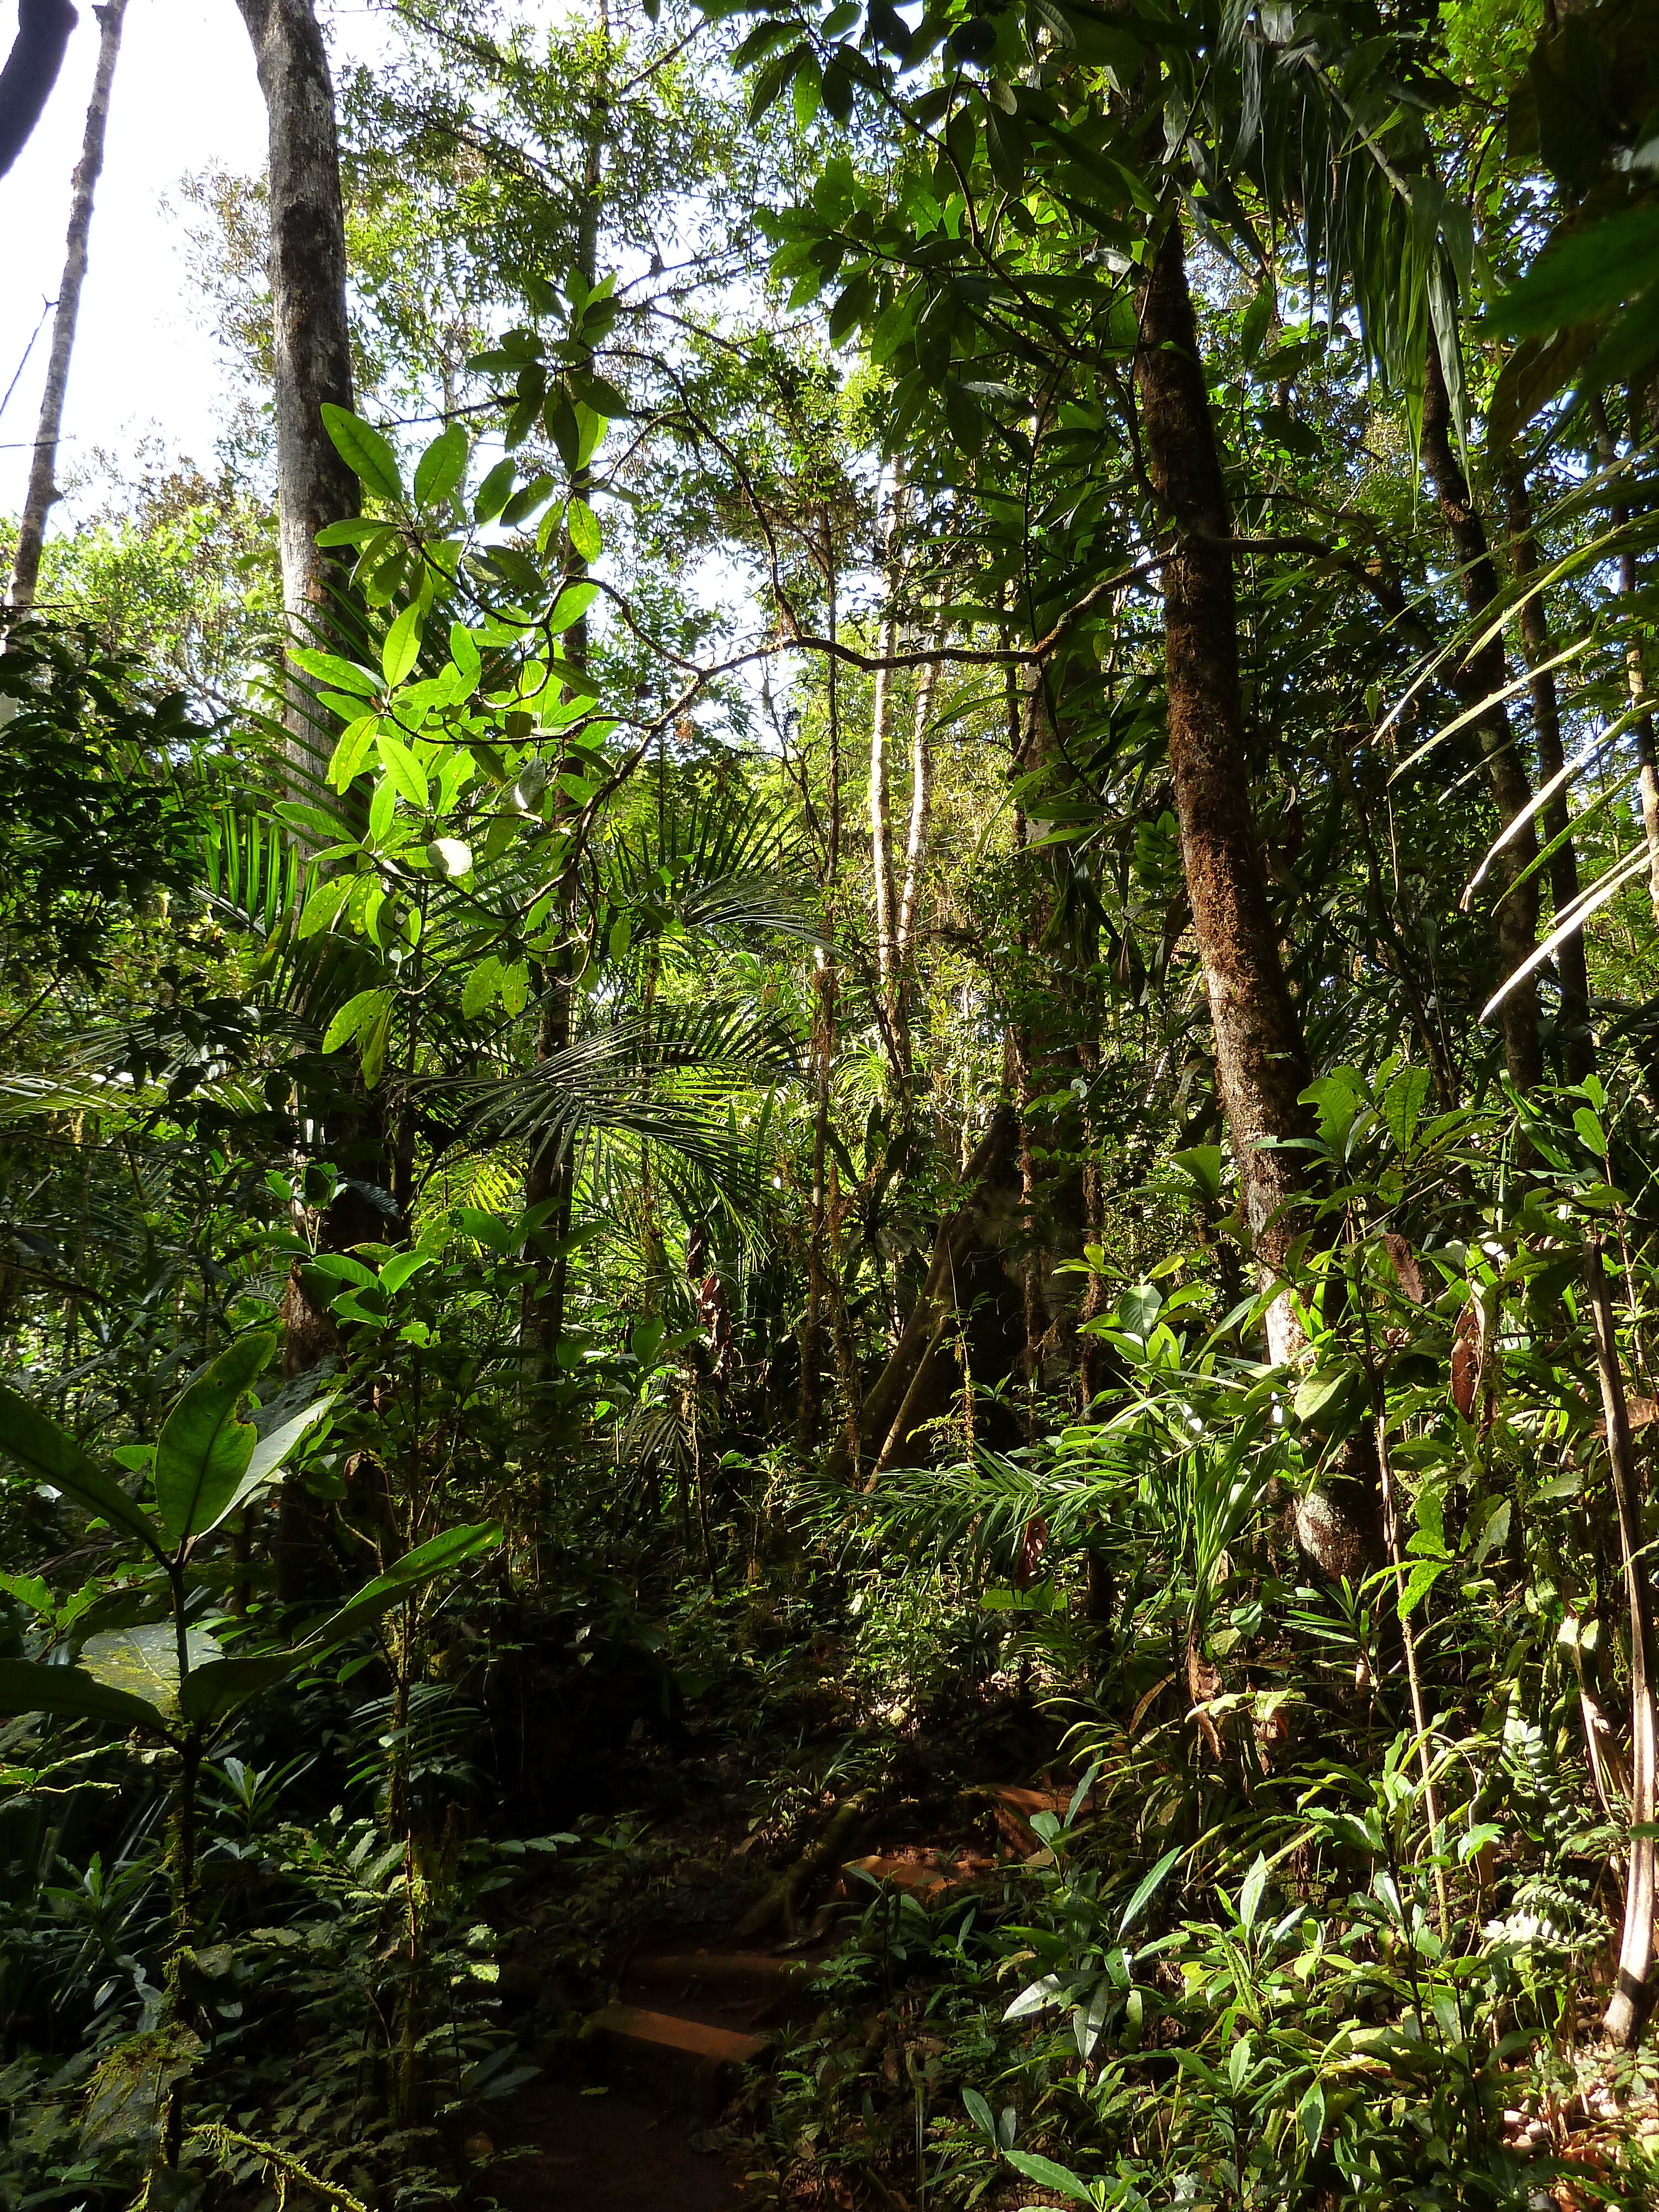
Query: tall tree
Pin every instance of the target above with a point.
(31, 71)
(43, 473)
(307, 272)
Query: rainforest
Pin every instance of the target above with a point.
(830, 1111)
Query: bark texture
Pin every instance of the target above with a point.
(31, 70)
(307, 272)
(1478, 679)
(1262, 1063)
(1577, 1043)
(42, 491)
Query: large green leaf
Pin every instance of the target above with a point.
(71, 1694)
(42, 1449)
(218, 1688)
(364, 451)
(436, 1557)
(268, 1455)
(143, 1662)
(203, 1451)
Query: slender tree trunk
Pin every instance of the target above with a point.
(881, 817)
(1647, 760)
(551, 1171)
(31, 71)
(1627, 2008)
(915, 851)
(1262, 1063)
(1480, 680)
(1577, 1042)
(42, 491)
(307, 271)
(811, 1385)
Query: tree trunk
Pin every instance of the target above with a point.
(1478, 680)
(881, 816)
(31, 71)
(915, 851)
(1577, 1042)
(43, 484)
(1261, 1064)
(824, 1041)
(1647, 759)
(551, 1170)
(1627, 2008)
(307, 272)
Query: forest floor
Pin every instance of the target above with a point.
(665, 1999)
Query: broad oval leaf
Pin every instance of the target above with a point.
(143, 1662)
(1050, 2175)
(71, 1693)
(407, 775)
(442, 467)
(364, 451)
(438, 1555)
(203, 1451)
(42, 1449)
(402, 649)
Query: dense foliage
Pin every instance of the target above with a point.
(916, 1048)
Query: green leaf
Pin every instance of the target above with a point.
(271, 1452)
(408, 776)
(442, 467)
(1201, 1165)
(1316, 1394)
(30, 1590)
(364, 451)
(439, 1555)
(1591, 272)
(212, 1691)
(355, 530)
(1047, 2175)
(1424, 1574)
(481, 987)
(515, 988)
(203, 1451)
(980, 2113)
(1403, 1103)
(401, 1267)
(41, 1449)
(1253, 328)
(494, 492)
(573, 602)
(357, 1012)
(329, 668)
(1147, 1888)
(402, 649)
(69, 1694)
(142, 1663)
(323, 902)
(1310, 2117)
(1249, 1897)
(582, 524)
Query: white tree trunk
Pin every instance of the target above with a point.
(43, 474)
(881, 821)
(307, 272)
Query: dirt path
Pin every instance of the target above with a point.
(620, 2151)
